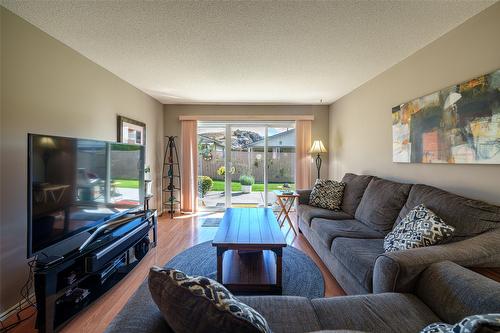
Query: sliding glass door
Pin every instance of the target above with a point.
(280, 156)
(248, 160)
(211, 166)
(242, 164)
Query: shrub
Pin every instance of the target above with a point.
(247, 180)
(205, 184)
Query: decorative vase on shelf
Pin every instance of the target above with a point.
(147, 180)
(149, 188)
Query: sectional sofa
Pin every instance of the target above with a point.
(350, 241)
(411, 289)
(444, 292)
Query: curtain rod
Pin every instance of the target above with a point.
(246, 117)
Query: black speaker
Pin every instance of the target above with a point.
(142, 248)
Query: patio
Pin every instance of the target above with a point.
(217, 199)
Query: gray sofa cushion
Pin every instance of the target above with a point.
(358, 256)
(307, 213)
(139, 315)
(303, 196)
(469, 217)
(353, 192)
(374, 313)
(381, 204)
(328, 230)
(454, 292)
(288, 314)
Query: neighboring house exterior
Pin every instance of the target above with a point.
(284, 140)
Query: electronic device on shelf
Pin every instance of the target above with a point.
(107, 226)
(96, 259)
(77, 185)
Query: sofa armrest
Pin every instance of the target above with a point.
(454, 292)
(398, 271)
(304, 196)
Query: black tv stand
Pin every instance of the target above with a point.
(66, 285)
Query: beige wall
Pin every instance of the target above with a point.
(360, 123)
(319, 125)
(48, 88)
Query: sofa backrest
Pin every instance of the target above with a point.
(355, 186)
(381, 204)
(454, 292)
(469, 217)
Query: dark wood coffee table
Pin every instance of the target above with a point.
(250, 251)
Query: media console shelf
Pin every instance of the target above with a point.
(69, 285)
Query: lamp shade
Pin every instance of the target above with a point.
(317, 147)
(47, 142)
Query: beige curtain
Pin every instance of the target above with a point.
(303, 163)
(189, 166)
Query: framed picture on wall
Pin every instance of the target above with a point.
(455, 125)
(131, 131)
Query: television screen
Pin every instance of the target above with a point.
(76, 184)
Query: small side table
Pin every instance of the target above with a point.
(286, 202)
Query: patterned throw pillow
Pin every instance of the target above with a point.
(327, 194)
(421, 227)
(471, 324)
(200, 304)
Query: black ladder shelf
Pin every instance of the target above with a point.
(171, 178)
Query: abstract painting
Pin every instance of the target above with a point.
(459, 124)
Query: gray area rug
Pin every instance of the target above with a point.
(301, 276)
(211, 222)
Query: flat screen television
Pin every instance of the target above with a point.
(74, 185)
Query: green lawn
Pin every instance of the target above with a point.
(126, 183)
(236, 186)
(218, 185)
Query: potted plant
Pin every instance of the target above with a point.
(205, 184)
(246, 183)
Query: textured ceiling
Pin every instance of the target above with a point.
(246, 52)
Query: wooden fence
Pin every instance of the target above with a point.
(281, 166)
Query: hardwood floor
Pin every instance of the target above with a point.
(174, 236)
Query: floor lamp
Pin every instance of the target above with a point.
(318, 148)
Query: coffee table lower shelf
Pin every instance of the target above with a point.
(250, 271)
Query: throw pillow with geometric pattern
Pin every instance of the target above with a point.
(420, 228)
(471, 324)
(327, 194)
(199, 304)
